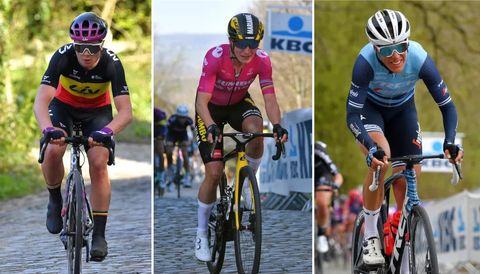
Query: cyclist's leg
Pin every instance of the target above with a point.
(208, 188)
(405, 139)
(374, 123)
(52, 166)
(101, 189)
(322, 201)
(169, 146)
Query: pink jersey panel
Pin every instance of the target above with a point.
(218, 77)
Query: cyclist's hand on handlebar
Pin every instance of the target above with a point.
(213, 131)
(376, 157)
(280, 133)
(101, 137)
(453, 152)
(55, 135)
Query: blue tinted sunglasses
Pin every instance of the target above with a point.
(387, 51)
(243, 44)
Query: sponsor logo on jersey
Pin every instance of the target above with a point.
(353, 93)
(96, 77)
(205, 62)
(217, 52)
(124, 90)
(261, 53)
(112, 54)
(45, 79)
(64, 49)
(86, 90)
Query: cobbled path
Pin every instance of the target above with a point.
(286, 246)
(27, 247)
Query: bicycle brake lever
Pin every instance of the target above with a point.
(457, 174)
(376, 175)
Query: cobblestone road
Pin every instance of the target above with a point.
(286, 246)
(27, 247)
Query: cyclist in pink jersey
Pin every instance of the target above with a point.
(222, 97)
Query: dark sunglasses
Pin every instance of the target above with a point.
(243, 44)
(87, 49)
(387, 51)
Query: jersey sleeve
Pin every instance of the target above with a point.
(57, 62)
(117, 75)
(361, 76)
(439, 91)
(265, 72)
(211, 63)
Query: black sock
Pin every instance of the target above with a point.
(55, 194)
(99, 222)
(320, 231)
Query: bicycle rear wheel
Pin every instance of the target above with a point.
(216, 233)
(422, 245)
(79, 225)
(248, 236)
(178, 174)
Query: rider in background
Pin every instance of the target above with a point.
(75, 88)
(381, 111)
(222, 97)
(177, 125)
(325, 172)
(159, 133)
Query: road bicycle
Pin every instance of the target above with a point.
(177, 176)
(235, 218)
(414, 236)
(76, 211)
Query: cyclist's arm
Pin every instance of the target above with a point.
(361, 76)
(124, 115)
(439, 91)
(201, 107)
(44, 96)
(272, 108)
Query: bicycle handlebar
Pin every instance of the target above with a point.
(280, 147)
(414, 159)
(78, 140)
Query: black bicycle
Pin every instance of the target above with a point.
(76, 212)
(236, 217)
(177, 177)
(414, 236)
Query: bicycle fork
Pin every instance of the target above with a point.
(241, 163)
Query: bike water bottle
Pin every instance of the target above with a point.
(389, 239)
(395, 221)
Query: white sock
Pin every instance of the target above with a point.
(203, 214)
(254, 164)
(371, 219)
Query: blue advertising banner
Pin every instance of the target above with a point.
(294, 171)
(290, 33)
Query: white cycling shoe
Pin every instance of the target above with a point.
(322, 244)
(372, 252)
(202, 251)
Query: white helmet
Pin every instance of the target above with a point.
(387, 27)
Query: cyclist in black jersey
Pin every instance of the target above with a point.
(75, 89)
(325, 172)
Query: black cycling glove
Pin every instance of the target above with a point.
(280, 131)
(214, 130)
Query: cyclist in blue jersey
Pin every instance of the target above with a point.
(381, 111)
(177, 125)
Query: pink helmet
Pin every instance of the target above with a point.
(88, 27)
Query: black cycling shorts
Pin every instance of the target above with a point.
(399, 125)
(65, 116)
(233, 115)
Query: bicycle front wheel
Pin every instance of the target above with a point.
(248, 234)
(217, 232)
(79, 196)
(422, 245)
(357, 239)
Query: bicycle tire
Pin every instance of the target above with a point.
(70, 227)
(216, 228)
(178, 174)
(79, 225)
(248, 238)
(421, 240)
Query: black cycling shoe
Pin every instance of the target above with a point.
(99, 249)
(54, 219)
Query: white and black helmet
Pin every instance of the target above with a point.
(387, 27)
